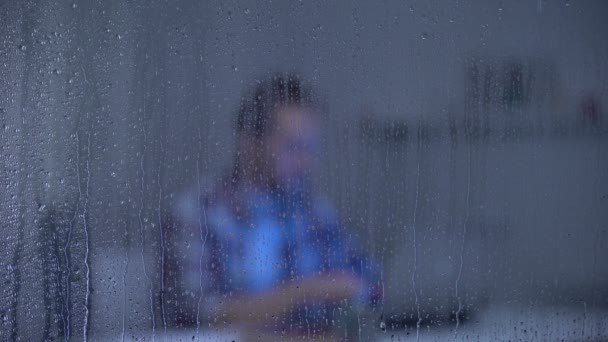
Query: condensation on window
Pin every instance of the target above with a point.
(256, 170)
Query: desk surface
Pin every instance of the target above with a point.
(497, 323)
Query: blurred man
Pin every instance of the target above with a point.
(272, 253)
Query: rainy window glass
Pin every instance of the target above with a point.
(295, 170)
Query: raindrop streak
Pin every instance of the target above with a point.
(584, 319)
(66, 327)
(86, 237)
(141, 224)
(162, 242)
(124, 283)
(359, 311)
(464, 234)
(308, 324)
(202, 238)
(415, 273)
(58, 271)
(382, 321)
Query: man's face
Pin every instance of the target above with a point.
(294, 148)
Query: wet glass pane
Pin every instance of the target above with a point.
(254, 170)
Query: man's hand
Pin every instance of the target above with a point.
(329, 287)
(256, 308)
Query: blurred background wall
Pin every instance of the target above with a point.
(470, 134)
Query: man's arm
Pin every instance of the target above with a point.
(277, 302)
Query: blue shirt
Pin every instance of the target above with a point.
(256, 240)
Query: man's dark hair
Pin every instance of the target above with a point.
(258, 109)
